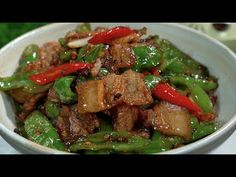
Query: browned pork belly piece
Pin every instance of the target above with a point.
(136, 91)
(98, 95)
(91, 96)
(122, 55)
(48, 57)
(24, 97)
(169, 119)
(109, 63)
(28, 100)
(76, 128)
(89, 121)
(49, 52)
(119, 54)
(70, 129)
(29, 105)
(124, 117)
(19, 95)
(114, 89)
(71, 125)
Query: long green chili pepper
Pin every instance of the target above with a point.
(65, 55)
(100, 152)
(175, 140)
(52, 109)
(115, 141)
(201, 98)
(12, 82)
(63, 90)
(161, 143)
(104, 71)
(92, 55)
(203, 129)
(166, 63)
(158, 144)
(41, 131)
(62, 42)
(84, 27)
(185, 80)
(113, 136)
(146, 57)
(31, 53)
(177, 67)
(175, 61)
(20, 80)
(194, 123)
(151, 80)
(21, 129)
(134, 144)
(81, 53)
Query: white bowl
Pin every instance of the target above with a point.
(227, 36)
(220, 60)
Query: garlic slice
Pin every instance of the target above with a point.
(78, 42)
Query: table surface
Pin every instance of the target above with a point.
(227, 147)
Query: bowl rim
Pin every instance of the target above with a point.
(227, 127)
(217, 33)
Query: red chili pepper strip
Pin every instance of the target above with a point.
(166, 92)
(205, 116)
(109, 35)
(58, 72)
(145, 73)
(155, 72)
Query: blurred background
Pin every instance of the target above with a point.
(9, 31)
(224, 32)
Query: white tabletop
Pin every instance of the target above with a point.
(228, 147)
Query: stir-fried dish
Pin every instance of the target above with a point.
(111, 90)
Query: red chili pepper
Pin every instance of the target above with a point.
(166, 92)
(109, 35)
(205, 116)
(57, 72)
(145, 73)
(155, 72)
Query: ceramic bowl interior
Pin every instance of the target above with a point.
(220, 60)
